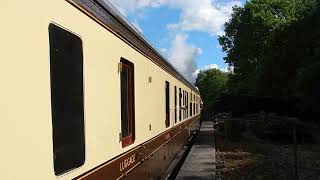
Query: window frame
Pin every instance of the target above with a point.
(180, 102)
(194, 104)
(167, 104)
(175, 104)
(187, 109)
(128, 140)
(190, 104)
(184, 105)
(183, 116)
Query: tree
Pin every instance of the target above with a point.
(211, 84)
(274, 46)
(251, 42)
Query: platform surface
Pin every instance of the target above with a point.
(200, 163)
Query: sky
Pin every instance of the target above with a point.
(184, 31)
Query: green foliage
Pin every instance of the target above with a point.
(274, 46)
(211, 84)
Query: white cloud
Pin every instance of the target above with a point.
(211, 66)
(128, 6)
(203, 15)
(196, 15)
(200, 15)
(183, 56)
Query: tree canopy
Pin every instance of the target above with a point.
(274, 47)
(211, 84)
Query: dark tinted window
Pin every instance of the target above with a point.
(187, 104)
(194, 104)
(66, 70)
(125, 109)
(167, 89)
(190, 108)
(175, 104)
(127, 102)
(180, 98)
(184, 104)
(191, 104)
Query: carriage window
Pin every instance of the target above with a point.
(187, 104)
(198, 105)
(167, 89)
(194, 108)
(175, 104)
(180, 97)
(184, 104)
(190, 104)
(127, 102)
(67, 104)
(194, 104)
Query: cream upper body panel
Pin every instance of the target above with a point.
(26, 131)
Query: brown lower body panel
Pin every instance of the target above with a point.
(149, 160)
(159, 161)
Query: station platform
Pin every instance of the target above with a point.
(200, 162)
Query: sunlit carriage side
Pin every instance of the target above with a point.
(84, 96)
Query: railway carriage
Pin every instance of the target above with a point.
(85, 96)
